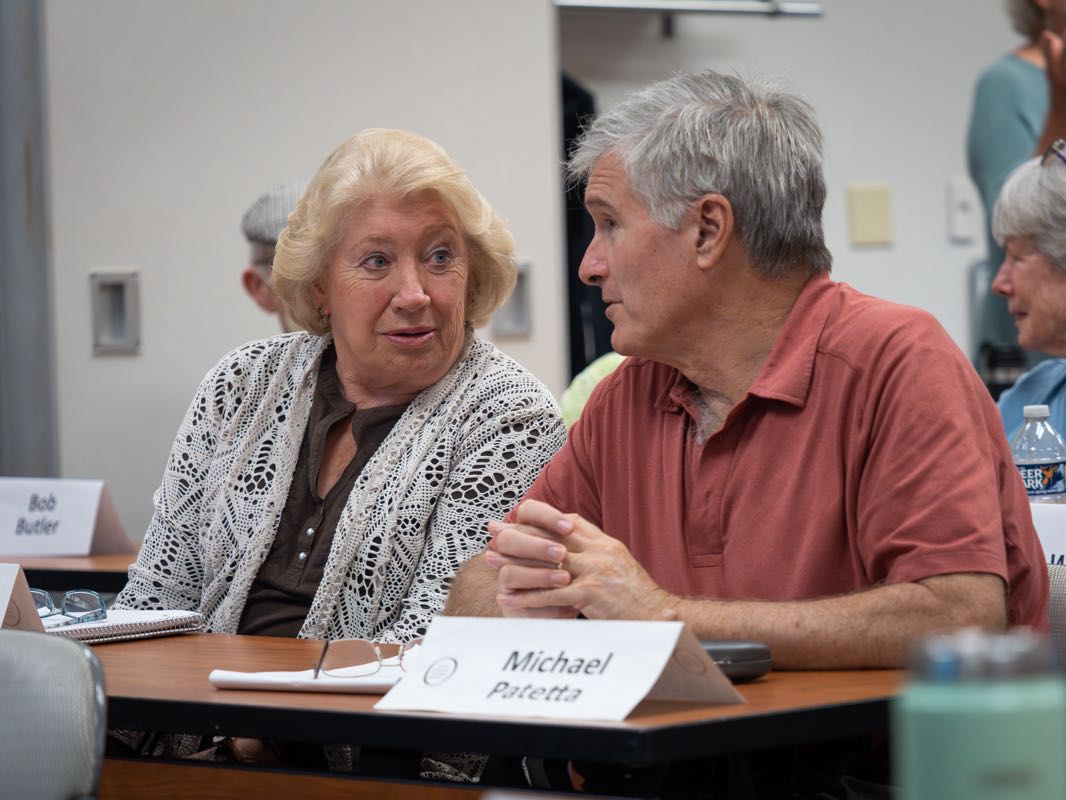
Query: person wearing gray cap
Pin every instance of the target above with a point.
(261, 225)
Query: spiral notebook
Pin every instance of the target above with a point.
(122, 625)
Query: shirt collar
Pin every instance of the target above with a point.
(786, 375)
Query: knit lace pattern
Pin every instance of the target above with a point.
(465, 451)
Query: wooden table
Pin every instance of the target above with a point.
(161, 684)
(129, 779)
(101, 573)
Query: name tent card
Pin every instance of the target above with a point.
(15, 599)
(1049, 519)
(58, 517)
(564, 669)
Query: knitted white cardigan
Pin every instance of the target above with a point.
(464, 451)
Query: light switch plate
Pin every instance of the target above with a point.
(870, 213)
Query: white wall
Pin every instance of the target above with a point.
(891, 82)
(168, 119)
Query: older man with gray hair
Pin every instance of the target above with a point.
(261, 225)
(780, 458)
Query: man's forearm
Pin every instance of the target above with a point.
(602, 580)
(473, 591)
(872, 628)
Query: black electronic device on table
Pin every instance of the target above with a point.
(740, 660)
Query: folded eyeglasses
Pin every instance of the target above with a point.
(357, 658)
(79, 605)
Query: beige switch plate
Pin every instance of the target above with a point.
(870, 213)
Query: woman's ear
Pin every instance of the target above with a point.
(319, 295)
(714, 228)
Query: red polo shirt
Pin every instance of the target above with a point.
(867, 451)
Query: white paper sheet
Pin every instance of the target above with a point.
(351, 680)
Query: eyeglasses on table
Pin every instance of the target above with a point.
(78, 605)
(357, 658)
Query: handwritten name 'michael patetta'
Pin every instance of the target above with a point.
(535, 661)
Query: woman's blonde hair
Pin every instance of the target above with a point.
(388, 163)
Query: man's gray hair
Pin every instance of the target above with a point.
(1026, 17)
(1033, 203)
(692, 135)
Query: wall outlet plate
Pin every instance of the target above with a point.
(116, 312)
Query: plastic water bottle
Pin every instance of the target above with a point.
(982, 717)
(1040, 455)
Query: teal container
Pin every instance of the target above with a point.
(983, 717)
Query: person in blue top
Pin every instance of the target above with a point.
(1030, 223)
(1007, 126)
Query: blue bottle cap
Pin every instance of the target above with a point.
(974, 654)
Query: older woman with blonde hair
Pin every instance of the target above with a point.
(329, 483)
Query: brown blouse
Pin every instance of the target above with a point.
(282, 592)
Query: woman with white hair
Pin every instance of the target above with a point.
(1009, 123)
(327, 484)
(1030, 223)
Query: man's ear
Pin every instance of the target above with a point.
(259, 290)
(714, 229)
